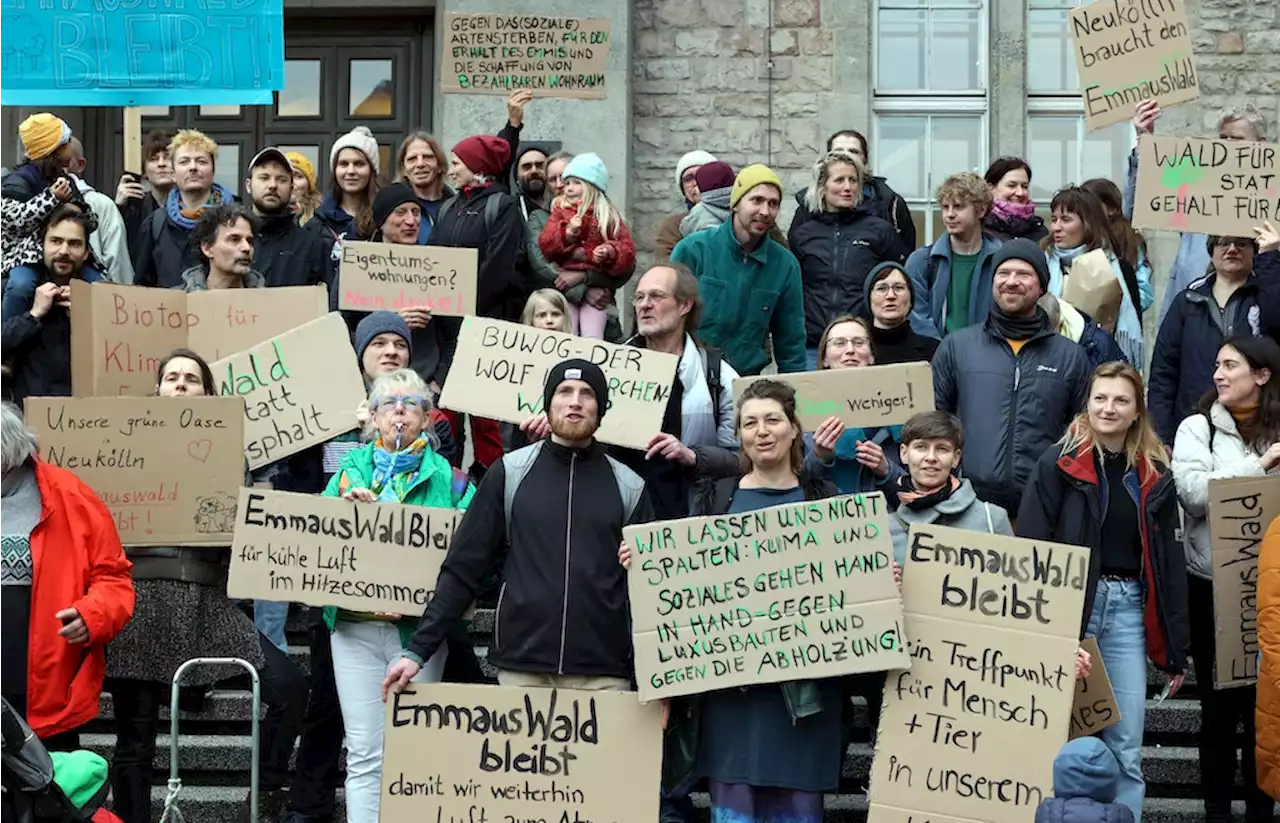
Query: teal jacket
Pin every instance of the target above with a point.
(746, 296)
(438, 486)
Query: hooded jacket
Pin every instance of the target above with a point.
(1267, 712)
(196, 278)
(461, 224)
(1086, 779)
(288, 255)
(836, 252)
(881, 201)
(962, 510)
(1066, 502)
(165, 254)
(332, 224)
(930, 270)
(1078, 326)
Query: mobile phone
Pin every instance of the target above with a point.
(1164, 695)
(134, 177)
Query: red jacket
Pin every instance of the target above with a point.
(576, 256)
(78, 562)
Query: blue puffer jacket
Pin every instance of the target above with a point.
(1085, 779)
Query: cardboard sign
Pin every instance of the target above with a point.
(115, 54)
(794, 592)
(168, 468)
(1129, 52)
(869, 396)
(300, 389)
(391, 276)
(502, 53)
(326, 551)
(1093, 288)
(488, 754)
(500, 368)
(1240, 509)
(120, 333)
(1095, 706)
(993, 625)
(1222, 187)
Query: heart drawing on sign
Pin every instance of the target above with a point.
(199, 449)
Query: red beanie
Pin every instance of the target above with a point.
(484, 154)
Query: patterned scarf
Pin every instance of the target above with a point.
(187, 218)
(916, 500)
(396, 472)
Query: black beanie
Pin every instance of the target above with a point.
(1020, 248)
(388, 200)
(577, 369)
(879, 272)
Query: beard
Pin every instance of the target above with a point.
(272, 210)
(534, 187)
(561, 427)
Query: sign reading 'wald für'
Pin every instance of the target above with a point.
(792, 592)
(1223, 187)
(501, 53)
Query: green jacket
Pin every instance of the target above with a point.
(438, 486)
(746, 296)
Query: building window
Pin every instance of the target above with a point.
(917, 152)
(928, 47)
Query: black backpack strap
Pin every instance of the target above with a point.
(1212, 431)
(711, 359)
(157, 224)
(931, 276)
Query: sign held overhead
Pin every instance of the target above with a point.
(502, 53)
(1222, 187)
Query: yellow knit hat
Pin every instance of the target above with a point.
(749, 178)
(42, 134)
(302, 164)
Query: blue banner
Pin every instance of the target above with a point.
(140, 52)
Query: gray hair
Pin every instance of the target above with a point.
(815, 197)
(412, 383)
(1249, 115)
(17, 442)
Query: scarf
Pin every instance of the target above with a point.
(919, 501)
(1128, 333)
(1013, 219)
(1017, 328)
(1247, 424)
(187, 218)
(394, 473)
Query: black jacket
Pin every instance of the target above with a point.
(38, 352)
(289, 255)
(837, 250)
(1066, 503)
(461, 224)
(135, 213)
(901, 345)
(881, 201)
(563, 607)
(161, 261)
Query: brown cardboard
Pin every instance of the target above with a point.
(500, 368)
(1095, 705)
(300, 389)
(375, 276)
(326, 551)
(1093, 288)
(868, 396)
(1127, 52)
(488, 754)
(1210, 186)
(168, 468)
(1240, 509)
(794, 592)
(502, 53)
(120, 333)
(988, 618)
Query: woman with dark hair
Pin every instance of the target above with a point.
(890, 299)
(1012, 212)
(1108, 487)
(347, 210)
(1234, 433)
(420, 164)
(182, 612)
(1126, 241)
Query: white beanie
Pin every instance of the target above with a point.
(359, 138)
(693, 158)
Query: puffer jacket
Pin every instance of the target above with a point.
(881, 200)
(1013, 406)
(836, 251)
(962, 510)
(461, 224)
(1194, 465)
(1086, 778)
(1267, 711)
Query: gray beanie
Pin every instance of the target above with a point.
(879, 272)
(381, 322)
(1021, 248)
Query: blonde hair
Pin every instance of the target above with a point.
(966, 188)
(1141, 443)
(597, 203)
(412, 383)
(815, 197)
(196, 140)
(551, 297)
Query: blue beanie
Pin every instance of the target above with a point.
(381, 322)
(588, 167)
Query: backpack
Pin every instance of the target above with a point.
(711, 359)
(516, 466)
(491, 206)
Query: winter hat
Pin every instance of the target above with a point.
(381, 322)
(388, 200)
(879, 272)
(303, 165)
(714, 175)
(589, 168)
(1020, 248)
(1085, 767)
(358, 138)
(693, 158)
(42, 134)
(582, 370)
(484, 154)
(757, 175)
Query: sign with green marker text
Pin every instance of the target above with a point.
(394, 276)
(1222, 187)
(794, 592)
(1128, 51)
(864, 397)
(502, 53)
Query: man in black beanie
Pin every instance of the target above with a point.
(1013, 381)
(561, 504)
(396, 215)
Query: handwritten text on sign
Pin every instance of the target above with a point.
(972, 729)
(487, 754)
(86, 54)
(1095, 706)
(792, 592)
(168, 468)
(1223, 187)
(500, 369)
(389, 276)
(550, 56)
(871, 396)
(1128, 51)
(1240, 509)
(300, 389)
(326, 551)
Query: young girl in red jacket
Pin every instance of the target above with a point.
(587, 237)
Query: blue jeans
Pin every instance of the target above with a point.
(1116, 623)
(20, 289)
(270, 618)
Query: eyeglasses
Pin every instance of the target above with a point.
(1241, 243)
(884, 288)
(411, 402)
(839, 343)
(642, 297)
